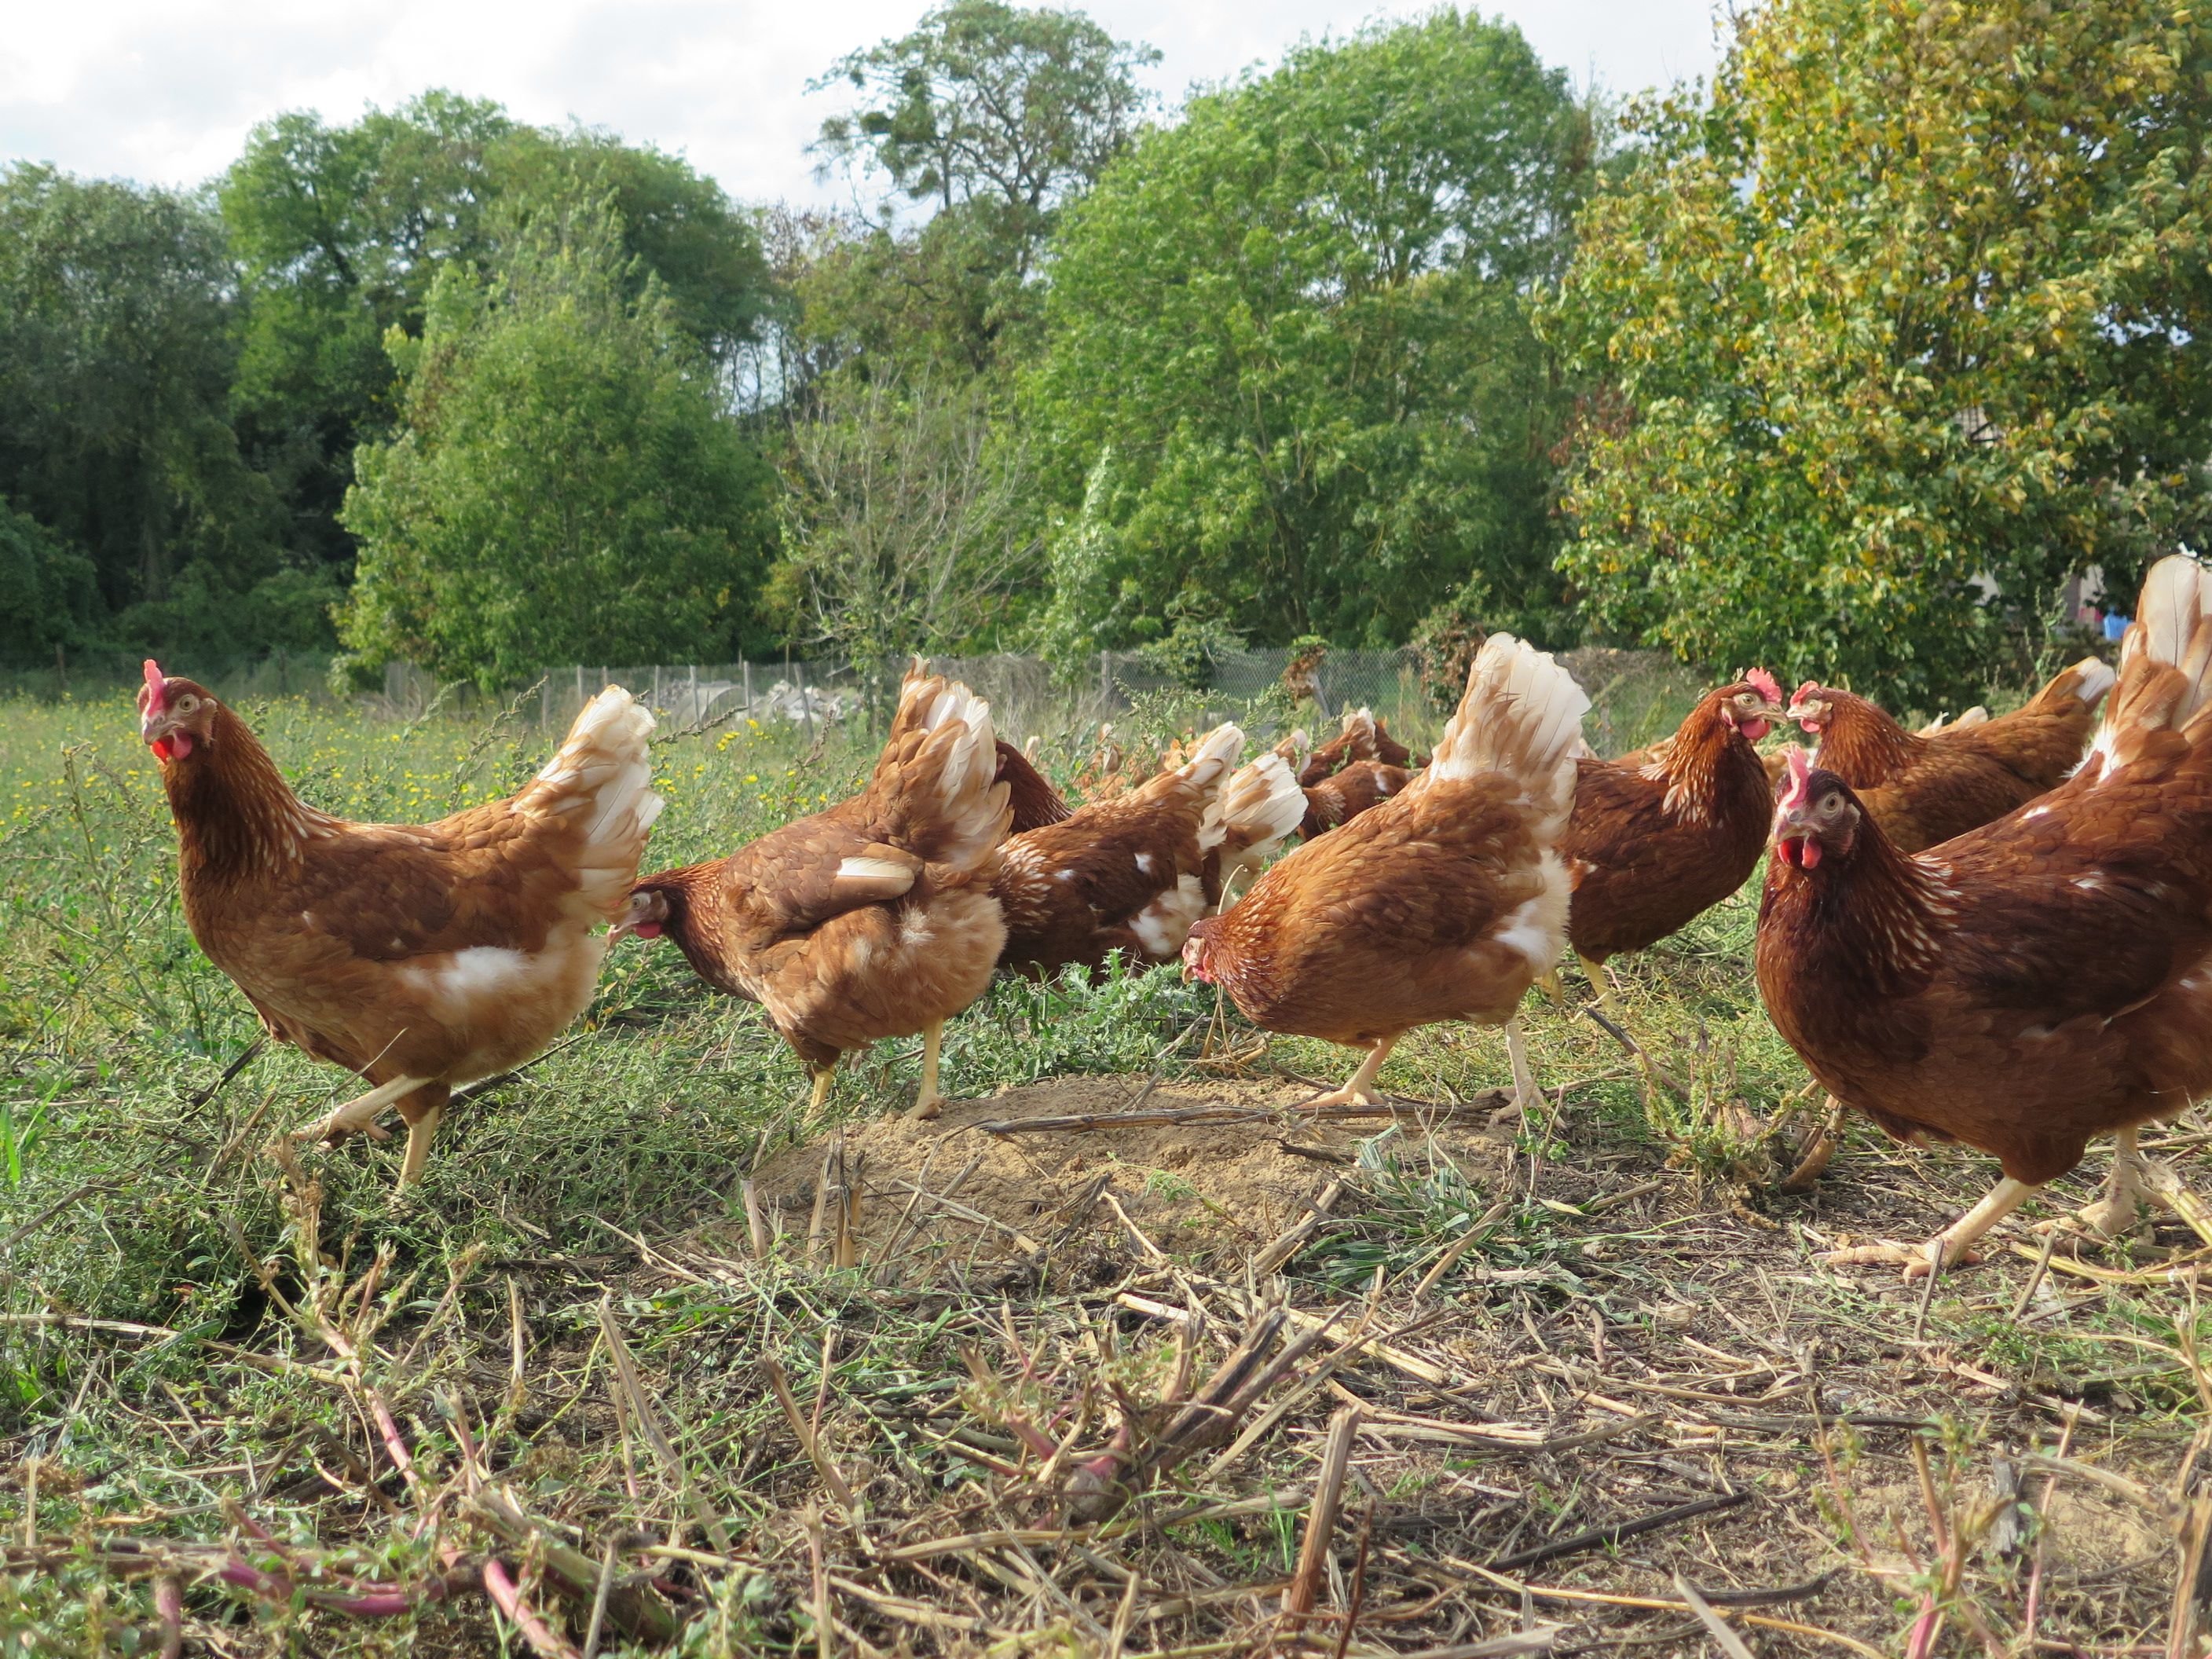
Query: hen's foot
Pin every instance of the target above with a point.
(1918, 1261)
(1359, 1088)
(358, 1116)
(926, 1108)
(1952, 1247)
(2126, 1189)
(1348, 1096)
(2109, 1217)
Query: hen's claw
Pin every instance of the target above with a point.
(1358, 1089)
(1918, 1261)
(1348, 1096)
(358, 1116)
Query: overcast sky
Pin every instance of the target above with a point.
(166, 90)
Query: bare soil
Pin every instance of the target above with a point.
(1837, 1461)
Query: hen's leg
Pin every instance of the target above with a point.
(2115, 1213)
(824, 1077)
(1601, 986)
(928, 1102)
(1525, 1094)
(358, 1116)
(1954, 1245)
(1359, 1091)
(423, 1113)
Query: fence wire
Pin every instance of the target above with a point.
(1638, 695)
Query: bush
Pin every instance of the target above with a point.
(567, 485)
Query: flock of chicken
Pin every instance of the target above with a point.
(1972, 933)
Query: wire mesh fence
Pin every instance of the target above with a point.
(1637, 696)
(1027, 696)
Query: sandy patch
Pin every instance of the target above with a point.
(1210, 1190)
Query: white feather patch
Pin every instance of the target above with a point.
(875, 870)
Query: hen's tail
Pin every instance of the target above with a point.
(598, 785)
(1258, 810)
(936, 792)
(2084, 684)
(1522, 716)
(1036, 802)
(1201, 779)
(2166, 666)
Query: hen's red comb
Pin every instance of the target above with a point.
(1765, 684)
(1801, 780)
(1809, 685)
(155, 685)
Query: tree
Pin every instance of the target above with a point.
(1288, 383)
(1915, 303)
(118, 338)
(990, 117)
(902, 526)
(342, 231)
(48, 591)
(566, 485)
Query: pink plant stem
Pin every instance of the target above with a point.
(1923, 1628)
(508, 1600)
(169, 1607)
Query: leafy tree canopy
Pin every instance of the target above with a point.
(118, 339)
(1920, 294)
(1288, 384)
(992, 117)
(566, 484)
(48, 591)
(342, 232)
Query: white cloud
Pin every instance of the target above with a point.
(167, 90)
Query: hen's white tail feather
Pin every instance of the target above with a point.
(1522, 716)
(2165, 679)
(1205, 773)
(2096, 679)
(1261, 807)
(969, 801)
(604, 769)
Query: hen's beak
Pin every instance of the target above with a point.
(645, 916)
(1794, 844)
(163, 735)
(1756, 723)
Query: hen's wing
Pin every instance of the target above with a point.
(1619, 823)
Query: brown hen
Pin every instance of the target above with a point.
(419, 956)
(2035, 981)
(874, 919)
(1924, 789)
(1361, 738)
(1127, 874)
(1443, 904)
(1654, 846)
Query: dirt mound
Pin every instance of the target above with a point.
(1214, 1171)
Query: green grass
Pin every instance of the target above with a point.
(133, 1190)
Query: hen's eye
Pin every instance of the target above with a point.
(186, 703)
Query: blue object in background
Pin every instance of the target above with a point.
(2116, 624)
